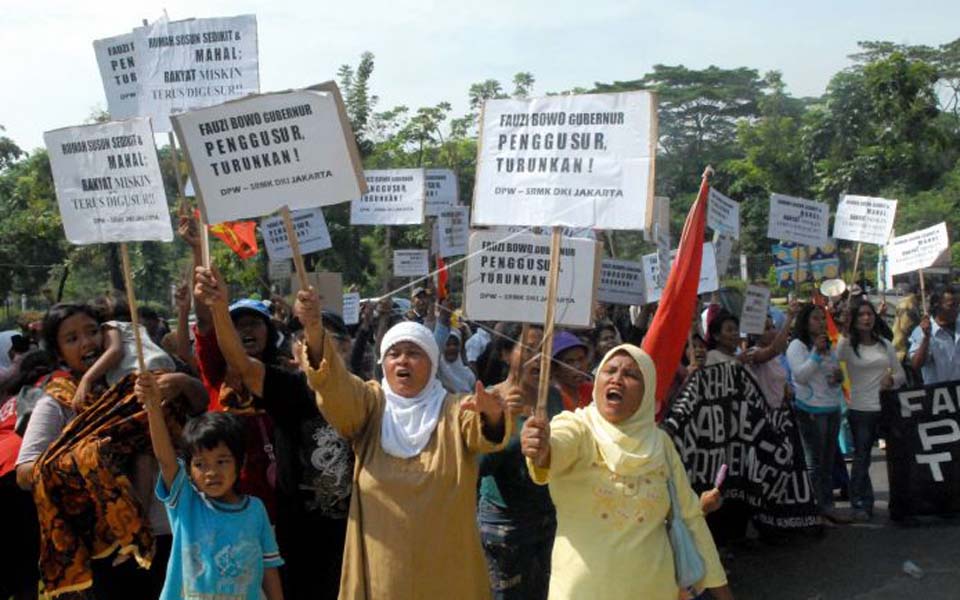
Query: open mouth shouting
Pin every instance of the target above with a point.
(249, 343)
(88, 358)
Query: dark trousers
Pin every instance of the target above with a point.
(865, 426)
(818, 432)
(518, 565)
(128, 581)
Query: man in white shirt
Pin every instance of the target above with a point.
(935, 343)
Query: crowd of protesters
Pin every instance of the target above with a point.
(272, 449)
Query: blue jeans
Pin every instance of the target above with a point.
(818, 432)
(518, 565)
(866, 429)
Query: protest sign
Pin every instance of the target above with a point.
(661, 236)
(442, 191)
(192, 64)
(756, 304)
(329, 287)
(721, 418)
(410, 263)
(108, 183)
(252, 156)
(351, 308)
(571, 160)
(918, 250)
(507, 280)
(923, 449)
(279, 270)
(394, 197)
(311, 230)
(798, 220)
(453, 225)
(723, 214)
(651, 275)
(864, 219)
(723, 246)
(816, 263)
(621, 282)
(115, 57)
(660, 214)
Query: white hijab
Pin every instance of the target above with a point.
(408, 423)
(456, 376)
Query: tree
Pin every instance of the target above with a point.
(522, 84)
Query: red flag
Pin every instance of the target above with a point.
(667, 336)
(442, 276)
(240, 236)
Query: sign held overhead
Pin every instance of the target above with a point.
(394, 197)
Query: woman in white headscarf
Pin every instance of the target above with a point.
(454, 374)
(412, 527)
(607, 466)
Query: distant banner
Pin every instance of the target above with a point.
(410, 263)
(864, 219)
(311, 230)
(652, 290)
(574, 160)
(723, 214)
(919, 250)
(251, 157)
(720, 417)
(442, 191)
(507, 280)
(923, 449)
(115, 57)
(108, 183)
(798, 220)
(394, 197)
(816, 263)
(191, 64)
(756, 305)
(453, 227)
(621, 282)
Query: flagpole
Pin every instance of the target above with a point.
(295, 247)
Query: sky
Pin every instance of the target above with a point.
(431, 51)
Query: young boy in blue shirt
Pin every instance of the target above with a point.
(223, 546)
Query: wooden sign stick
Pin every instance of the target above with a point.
(856, 261)
(132, 303)
(295, 248)
(545, 354)
(923, 294)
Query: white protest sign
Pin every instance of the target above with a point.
(351, 308)
(621, 282)
(708, 274)
(279, 270)
(442, 191)
(753, 317)
(723, 214)
(115, 57)
(798, 220)
(454, 229)
(251, 157)
(918, 250)
(410, 263)
(191, 64)
(724, 248)
(394, 197)
(311, 230)
(108, 183)
(864, 219)
(664, 255)
(576, 160)
(507, 281)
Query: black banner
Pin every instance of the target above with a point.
(721, 417)
(923, 449)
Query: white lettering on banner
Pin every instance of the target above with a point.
(442, 191)
(577, 160)
(118, 70)
(934, 461)
(394, 197)
(195, 63)
(864, 219)
(108, 182)
(411, 263)
(723, 214)
(453, 225)
(251, 157)
(507, 280)
(918, 250)
(312, 234)
(621, 282)
(798, 220)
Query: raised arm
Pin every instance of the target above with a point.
(149, 395)
(189, 229)
(779, 344)
(184, 350)
(110, 358)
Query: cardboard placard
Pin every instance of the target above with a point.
(621, 282)
(708, 274)
(311, 230)
(251, 157)
(723, 214)
(661, 235)
(108, 183)
(351, 308)
(507, 280)
(919, 250)
(443, 191)
(453, 227)
(115, 57)
(329, 287)
(798, 220)
(723, 246)
(864, 219)
(660, 214)
(411, 263)
(279, 270)
(188, 65)
(578, 160)
(394, 197)
(756, 304)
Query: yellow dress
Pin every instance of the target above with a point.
(611, 538)
(412, 531)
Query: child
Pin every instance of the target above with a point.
(223, 546)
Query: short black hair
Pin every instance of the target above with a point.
(206, 431)
(937, 297)
(54, 318)
(716, 325)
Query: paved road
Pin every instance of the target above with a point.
(856, 561)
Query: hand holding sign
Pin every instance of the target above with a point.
(535, 441)
(208, 287)
(308, 309)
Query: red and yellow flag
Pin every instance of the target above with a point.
(240, 236)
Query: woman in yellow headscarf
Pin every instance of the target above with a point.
(607, 466)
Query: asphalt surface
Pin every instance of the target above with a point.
(858, 561)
